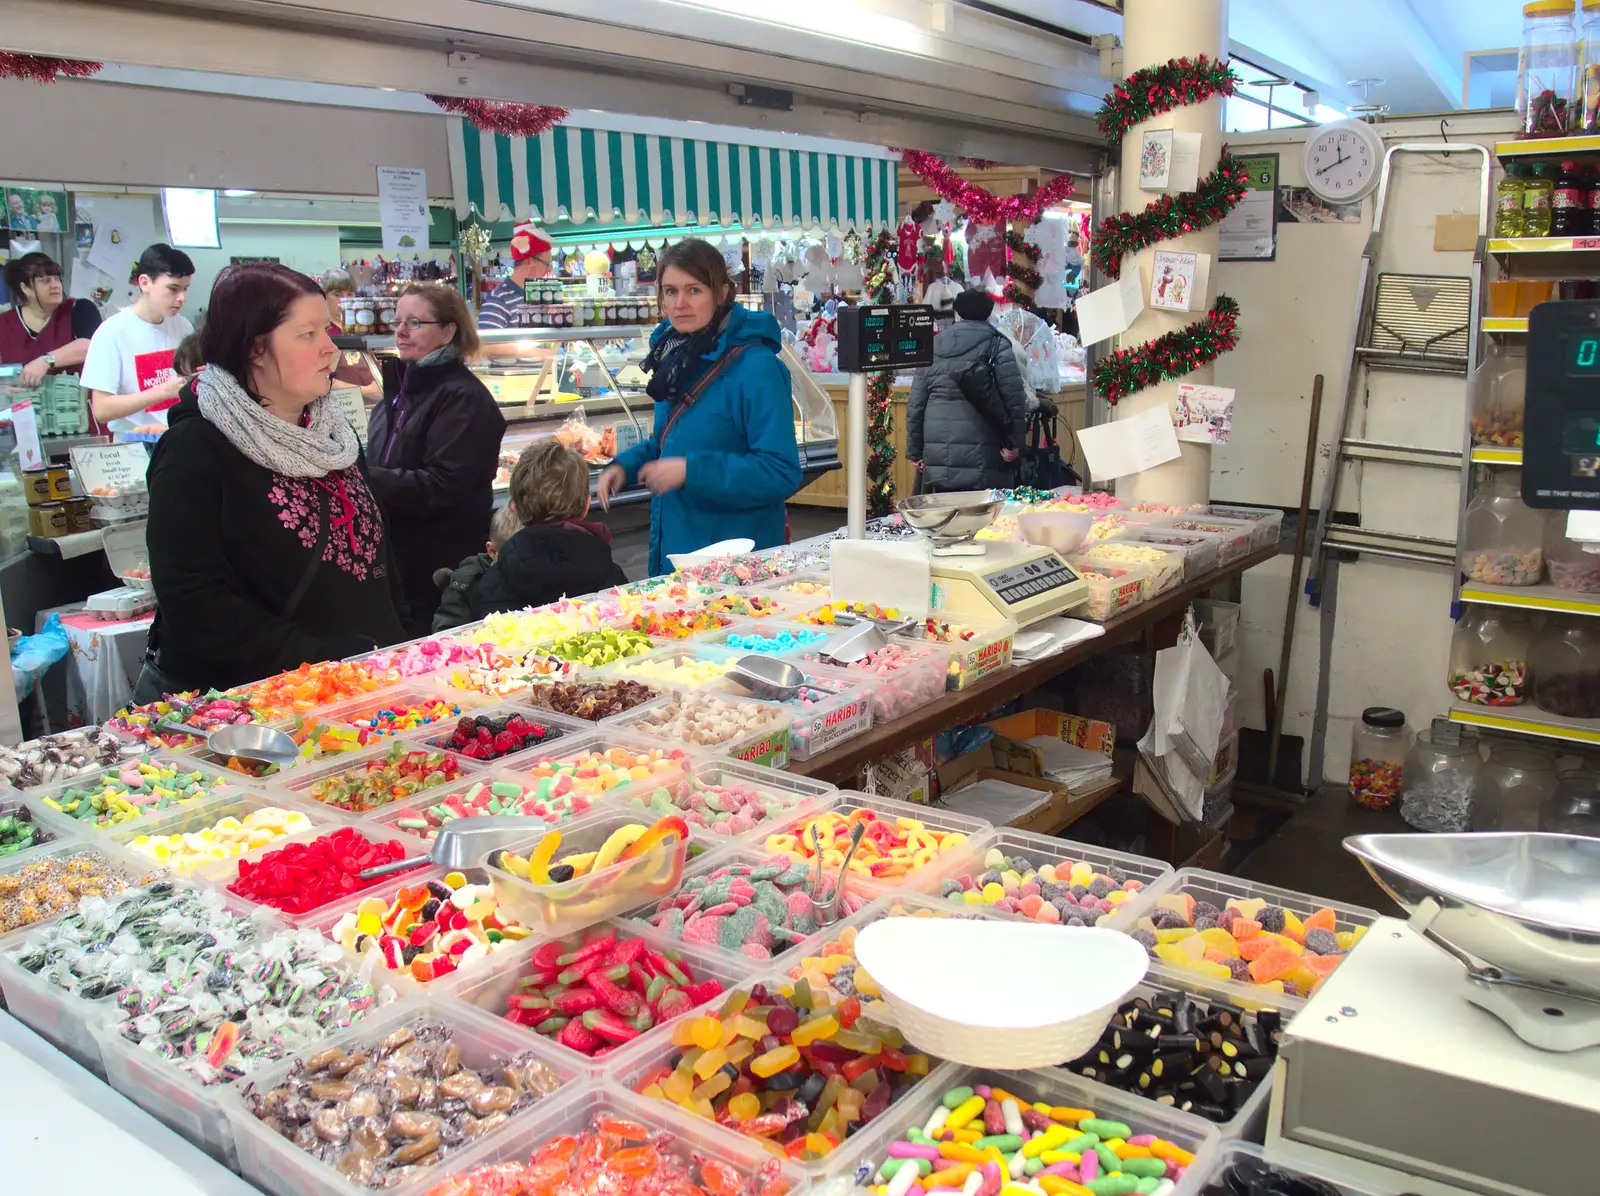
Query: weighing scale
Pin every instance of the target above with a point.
(1021, 582)
(1561, 424)
(1414, 1060)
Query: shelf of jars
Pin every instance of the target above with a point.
(1523, 720)
(1527, 670)
(1539, 597)
(1547, 147)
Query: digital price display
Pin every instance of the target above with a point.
(875, 339)
(1561, 432)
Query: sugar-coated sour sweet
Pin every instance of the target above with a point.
(1507, 566)
(551, 798)
(299, 877)
(786, 1065)
(226, 838)
(757, 910)
(138, 788)
(1069, 892)
(905, 676)
(52, 759)
(431, 929)
(404, 771)
(1248, 940)
(777, 642)
(991, 1140)
(729, 809)
(594, 648)
(19, 832)
(493, 735)
(1581, 575)
(54, 885)
(1198, 1055)
(385, 1111)
(706, 720)
(890, 847)
(544, 866)
(594, 991)
(1374, 783)
(615, 1155)
(600, 771)
(683, 669)
(591, 700)
(156, 724)
(310, 687)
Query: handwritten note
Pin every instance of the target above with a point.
(1185, 172)
(26, 426)
(109, 469)
(1112, 309)
(1130, 445)
(352, 408)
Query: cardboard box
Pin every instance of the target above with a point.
(981, 764)
(1013, 753)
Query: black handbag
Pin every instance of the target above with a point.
(1039, 462)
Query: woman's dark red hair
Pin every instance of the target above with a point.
(247, 303)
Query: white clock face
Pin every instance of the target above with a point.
(1340, 164)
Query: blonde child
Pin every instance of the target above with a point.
(453, 608)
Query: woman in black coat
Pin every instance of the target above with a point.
(434, 443)
(967, 437)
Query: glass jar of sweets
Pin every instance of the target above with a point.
(1489, 657)
(1499, 387)
(1565, 663)
(1512, 788)
(1441, 773)
(1378, 746)
(1572, 564)
(1504, 537)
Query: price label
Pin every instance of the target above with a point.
(111, 469)
(627, 436)
(352, 408)
(1586, 242)
(26, 426)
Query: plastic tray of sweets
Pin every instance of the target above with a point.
(768, 744)
(790, 795)
(1113, 588)
(1267, 523)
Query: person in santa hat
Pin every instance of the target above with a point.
(530, 251)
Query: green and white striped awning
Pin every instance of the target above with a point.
(597, 174)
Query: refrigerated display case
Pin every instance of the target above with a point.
(584, 385)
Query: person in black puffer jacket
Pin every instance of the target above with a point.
(556, 555)
(966, 438)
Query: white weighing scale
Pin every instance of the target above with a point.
(1411, 1062)
(1021, 582)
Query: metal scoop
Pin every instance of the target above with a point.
(462, 843)
(245, 741)
(854, 645)
(826, 910)
(773, 679)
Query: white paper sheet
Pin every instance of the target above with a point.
(1000, 802)
(403, 207)
(889, 573)
(26, 426)
(1185, 173)
(1111, 309)
(1129, 445)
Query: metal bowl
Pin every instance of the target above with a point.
(951, 517)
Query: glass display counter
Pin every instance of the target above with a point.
(585, 387)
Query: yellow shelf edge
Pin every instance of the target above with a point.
(1488, 454)
(1546, 147)
(1529, 601)
(1506, 324)
(1544, 245)
(1501, 722)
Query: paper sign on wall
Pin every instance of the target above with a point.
(26, 426)
(1203, 414)
(403, 207)
(1185, 172)
(111, 469)
(1111, 309)
(1129, 445)
(352, 408)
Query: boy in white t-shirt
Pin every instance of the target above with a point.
(128, 372)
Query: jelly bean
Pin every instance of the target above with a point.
(54, 885)
(1194, 1054)
(310, 687)
(756, 910)
(53, 759)
(404, 771)
(1375, 784)
(138, 788)
(300, 877)
(485, 737)
(355, 1107)
(430, 929)
(890, 848)
(228, 838)
(1070, 892)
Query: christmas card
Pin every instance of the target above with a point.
(1155, 159)
(1204, 414)
(1178, 281)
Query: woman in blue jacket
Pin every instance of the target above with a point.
(722, 459)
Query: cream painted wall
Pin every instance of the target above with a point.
(309, 249)
(1392, 625)
(110, 134)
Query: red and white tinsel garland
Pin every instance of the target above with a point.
(44, 70)
(503, 116)
(981, 204)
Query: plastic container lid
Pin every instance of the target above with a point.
(1383, 716)
(1551, 8)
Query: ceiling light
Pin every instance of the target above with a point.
(235, 192)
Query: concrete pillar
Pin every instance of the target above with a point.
(1154, 31)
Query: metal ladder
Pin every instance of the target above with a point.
(1408, 323)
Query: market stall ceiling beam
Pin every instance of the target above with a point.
(407, 43)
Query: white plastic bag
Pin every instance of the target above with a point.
(1190, 696)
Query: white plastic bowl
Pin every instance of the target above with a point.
(952, 985)
(711, 552)
(1062, 530)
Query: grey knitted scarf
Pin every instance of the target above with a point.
(326, 446)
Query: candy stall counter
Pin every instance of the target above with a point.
(904, 844)
(978, 647)
(1266, 523)
(1026, 1116)
(395, 1102)
(1238, 536)
(727, 801)
(394, 770)
(134, 791)
(1112, 588)
(737, 727)
(1202, 551)
(593, 868)
(906, 675)
(1165, 565)
(497, 734)
(1253, 944)
(243, 826)
(624, 985)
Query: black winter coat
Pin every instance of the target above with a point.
(434, 446)
(229, 542)
(957, 441)
(545, 562)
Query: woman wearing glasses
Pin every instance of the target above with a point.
(433, 443)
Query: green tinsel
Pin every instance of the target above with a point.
(880, 413)
(1170, 216)
(1175, 83)
(1170, 356)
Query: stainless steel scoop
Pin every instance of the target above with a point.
(245, 741)
(826, 909)
(462, 843)
(858, 643)
(773, 679)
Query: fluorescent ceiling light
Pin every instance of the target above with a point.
(236, 192)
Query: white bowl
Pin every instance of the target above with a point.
(979, 1015)
(1062, 530)
(711, 552)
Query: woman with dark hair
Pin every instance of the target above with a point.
(42, 332)
(722, 460)
(434, 443)
(267, 548)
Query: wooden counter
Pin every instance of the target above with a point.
(829, 489)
